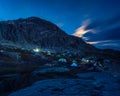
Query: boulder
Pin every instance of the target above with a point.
(52, 69)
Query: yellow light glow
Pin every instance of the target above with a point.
(97, 42)
(92, 42)
(82, 29)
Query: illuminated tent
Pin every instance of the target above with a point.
(74, 64)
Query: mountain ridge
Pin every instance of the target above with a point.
(39, 32)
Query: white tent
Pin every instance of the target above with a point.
(63, 60)
(84, 60)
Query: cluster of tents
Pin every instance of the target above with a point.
(75, 60)
(67, 58)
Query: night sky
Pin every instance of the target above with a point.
(96, 21)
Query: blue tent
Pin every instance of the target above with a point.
(74, 65)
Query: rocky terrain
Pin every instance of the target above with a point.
(86, 84)
(33, 31)
(39, 59)
(54, 75)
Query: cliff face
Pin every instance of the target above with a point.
(39, 32)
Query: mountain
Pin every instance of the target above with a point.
(34, 31)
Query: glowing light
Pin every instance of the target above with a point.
(98, 42)
(49, 53)
(36, 50)
(92, 42)
(82, 30)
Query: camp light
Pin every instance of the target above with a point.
(36, 50)
(49, 53)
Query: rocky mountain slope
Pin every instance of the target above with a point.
(53, 71)
(34, 31)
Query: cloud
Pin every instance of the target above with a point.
(82, 29)
(102, 34)
(111, 44)
(97, 42)
(111, 34)
(106, 39)
(99, 30)
(105, 24)
(105, 29)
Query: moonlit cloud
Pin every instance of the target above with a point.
(97, 42)
(108, 29)
(82, 30)
(107, 24)
(113, 44)
(107, 33)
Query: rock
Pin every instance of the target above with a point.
(87, 84)
(14, 55)
(2, 87)
(53, 69)
(53, 87)
(49, 65)
(8, 76)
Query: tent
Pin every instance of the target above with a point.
(74, 65)
(62, 60)
(84, 60)
(36, 54)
